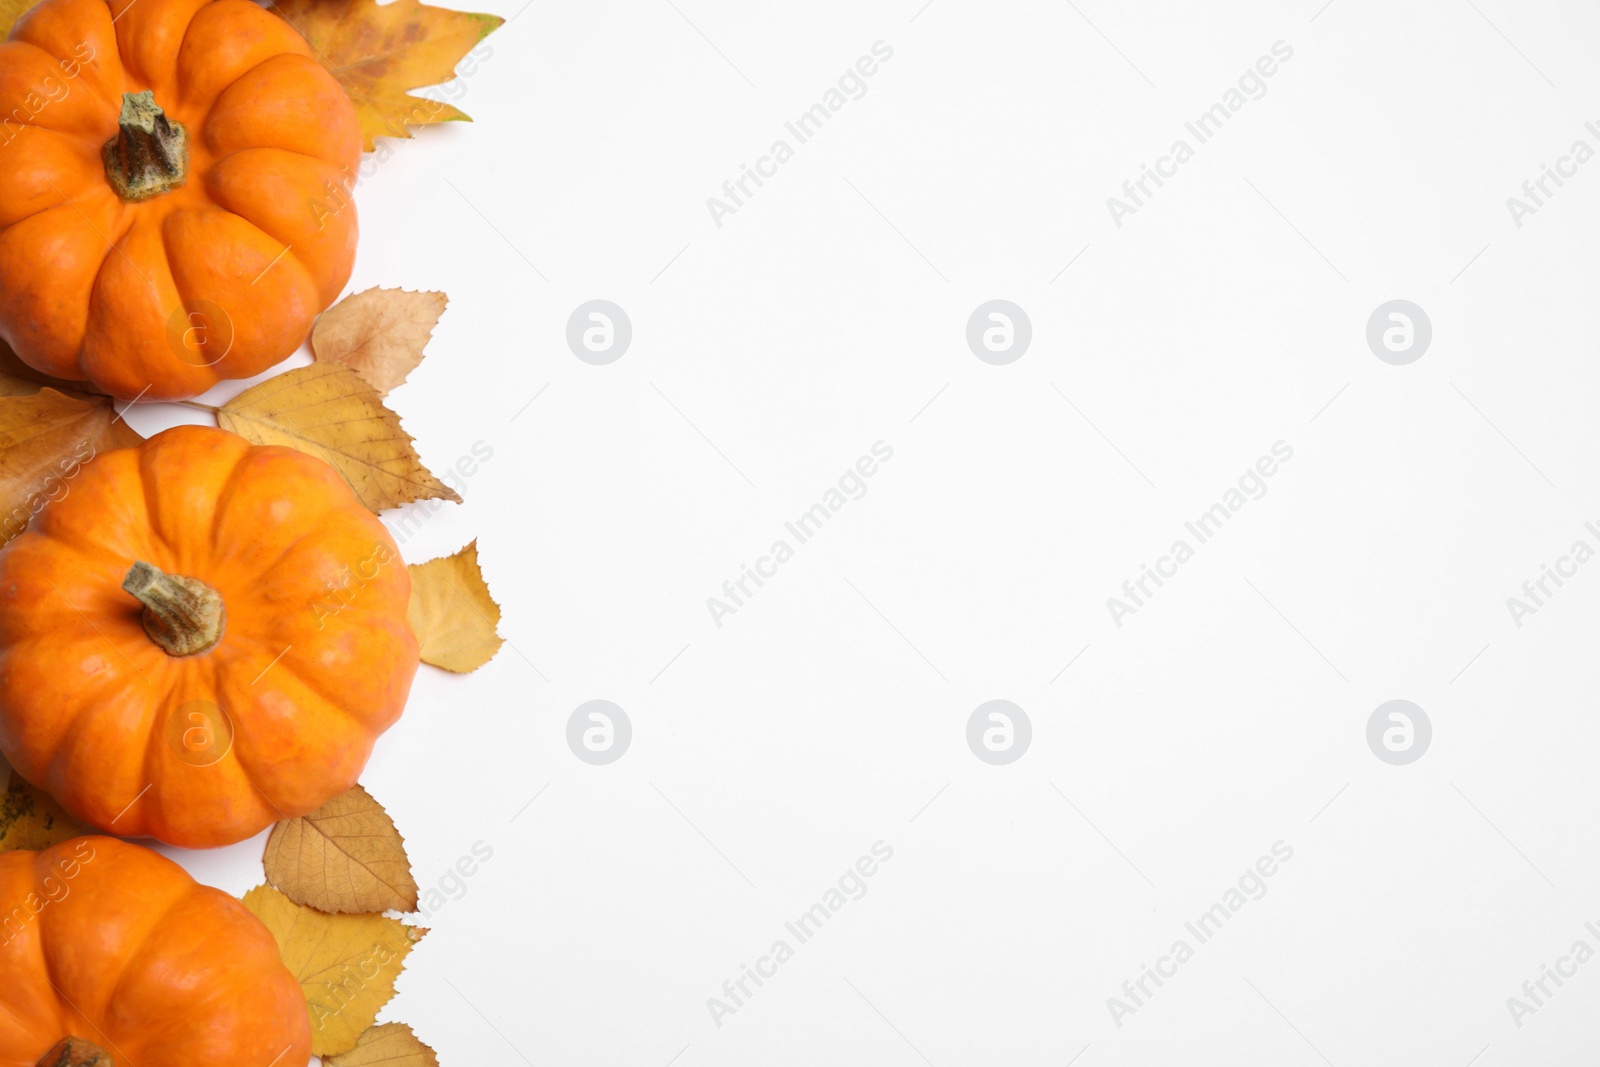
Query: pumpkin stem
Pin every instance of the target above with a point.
(150, 154)
(75, 1052)
(183, 615)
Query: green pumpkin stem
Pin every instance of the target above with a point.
(75, 1052)
(183, 615)
(150, 153)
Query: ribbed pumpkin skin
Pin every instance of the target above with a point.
(109, 942)
(94, 288)
(316, 661)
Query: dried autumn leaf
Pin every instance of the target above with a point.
(15, 385)
(379, 333)
(328, 411)
(378, 52)
(45, 439)
(344, 857)
(29, 819)
(19, 379)
(389, 1045)
(454, 617)
(346, 964)
(10, 12)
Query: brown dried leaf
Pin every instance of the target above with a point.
(346, 964)
(379, 333)
(328, 411)
(29, 819)
(345, 857)
(10, 386)
(45, 439)
(389, 1045)
(378, 52)
(455, 618)
(19, 379)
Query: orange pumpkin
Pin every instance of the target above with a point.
(111, 954)
(202, 637)
(174, 192)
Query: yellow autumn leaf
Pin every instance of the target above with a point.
(380, 51)
(452, 613)
(378, 333)
(10, 12)
(345, 857)
(45, 439)
(345, 964)
(330, 412)
(389, 1045)
(29, 819)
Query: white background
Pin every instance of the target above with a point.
(829, 713)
